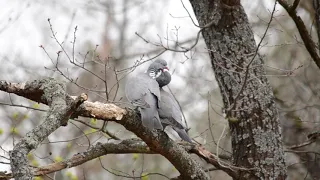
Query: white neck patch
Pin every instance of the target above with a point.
(155, 75)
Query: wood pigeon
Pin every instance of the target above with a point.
(169, 110)
(143, 92)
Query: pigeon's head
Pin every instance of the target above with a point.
(159, 71)
(161, 61)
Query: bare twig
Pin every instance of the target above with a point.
(22, 106)
(133, 177)
(316, 6)
(104, 130)
(308, 42)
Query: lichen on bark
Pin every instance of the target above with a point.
(256, 135)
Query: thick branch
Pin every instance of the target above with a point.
(125, 147)
(117, 147)
(30, 90)
(122, 147)
(61, 108)
(158, 141)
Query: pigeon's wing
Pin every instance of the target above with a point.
(183, 134)
(143, 91)
(169, 110)
(170, 114)
(138, 87)
(149, 116)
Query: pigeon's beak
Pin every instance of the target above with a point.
(165, 69)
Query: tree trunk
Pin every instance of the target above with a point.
(247, 96)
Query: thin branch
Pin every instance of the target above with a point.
(295, 5)
(212, 159)
(316, 6)
(128, 176)
(184, 49)
(22, 106)
(308, 42)
(302, 144)
(104, 130)
(312, 137)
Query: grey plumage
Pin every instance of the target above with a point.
(169, 110)
(161, 61)
(158, 108)
(170, 114)
(165, 78)
(143, 91)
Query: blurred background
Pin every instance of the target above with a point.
(94, 45)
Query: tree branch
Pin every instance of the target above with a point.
(316, 6)
(53, 94)
(210, 158)
(100, 149)
(125, 147)
(118, 147)
(61, 108)
(308, 42)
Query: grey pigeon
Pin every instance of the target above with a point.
(170, 114)
(143, 92)
(166, 76)
(169, 110)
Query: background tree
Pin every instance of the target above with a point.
(77, 54)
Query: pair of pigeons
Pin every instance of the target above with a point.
(158, 108)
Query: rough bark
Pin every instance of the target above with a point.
(99, 149)
(247, 95)
(62, 107)
(160, 142)
(95, 151)
(121, 147)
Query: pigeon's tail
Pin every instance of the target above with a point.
(150, 118)
(183, 134)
